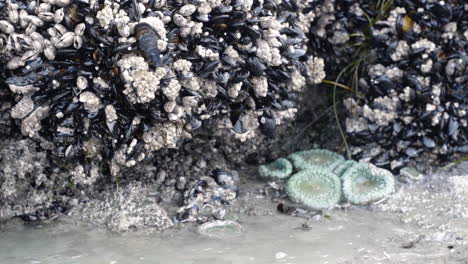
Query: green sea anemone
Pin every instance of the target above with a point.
(341, 167)
(315, 157)
(365, 183)
(220, 229)
(278, 170)
(314, 187)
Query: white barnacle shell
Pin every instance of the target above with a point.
(111, 116)
(46, 16)
(36, 37)
(43, 7)
(77, 42)
(179, 20)
(260, 86)
(15, 63)
(141, 8)
(60, 29)
(52, 32)
(62, 3)
(13, 15)
(24, 41)
(29, 55)
(38, 42)
(6, 27)
(54, 39)
(122, 27)
(59, 15)
(13, 42)
(160, 3)
(66, 40)
(187, 10)
(23, 14)
(49, 50)
(30, 29)
(79, 29)
(81, 82)
(91, 102)
(35, 20)
(170, 106)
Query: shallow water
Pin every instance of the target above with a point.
(345, 235)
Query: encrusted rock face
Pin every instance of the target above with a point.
(131, 207)
(27, 188)
(139, 77)
(412, 85)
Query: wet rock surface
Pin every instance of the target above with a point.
(338, 236)
(131, 207)
(80, 117)
(412, 85)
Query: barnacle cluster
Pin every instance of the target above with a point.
(323, 177)
(112, 82)
(412, 83)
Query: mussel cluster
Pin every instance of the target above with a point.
(111, 81)
(413, 86)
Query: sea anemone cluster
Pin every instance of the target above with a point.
(328, 179)
(411, 84)
(106, 82)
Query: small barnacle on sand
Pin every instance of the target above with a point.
(277, 170)
(365, 183)
(315, 157)
(315, 187)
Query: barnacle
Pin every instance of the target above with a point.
(315, 157)
(314, 187)
(278, 169)
(365, 183)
